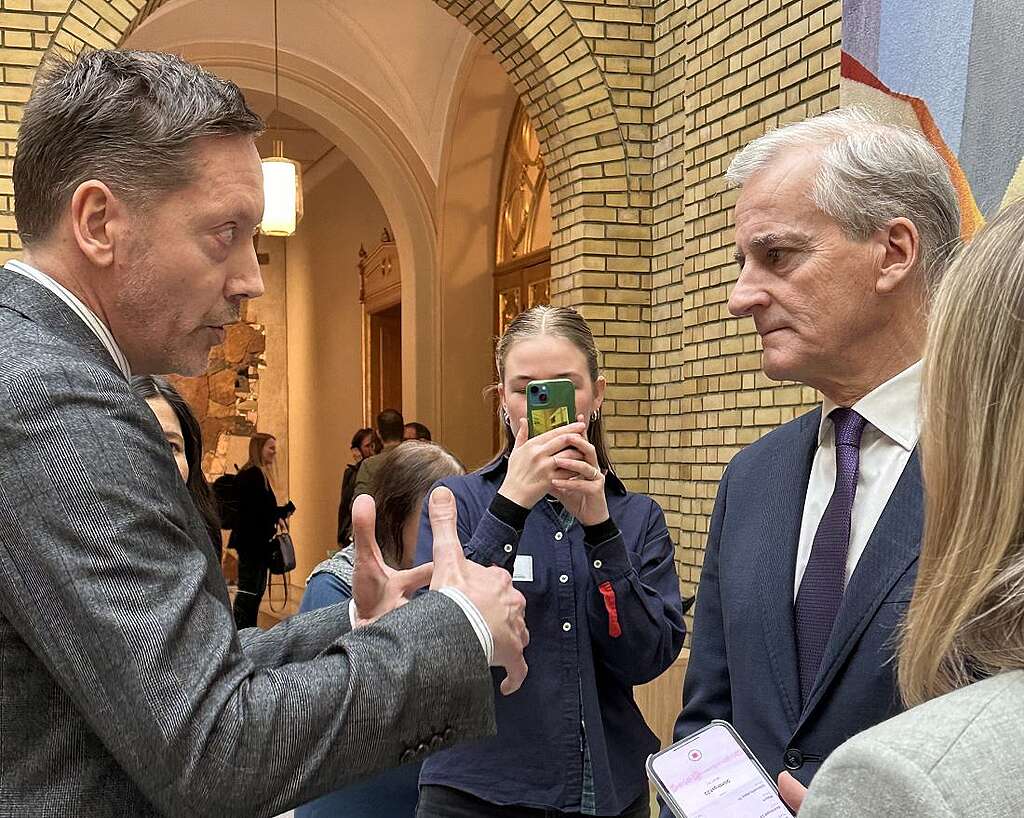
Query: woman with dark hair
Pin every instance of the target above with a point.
(186, 441)
(259, 516)
(365, 443)
(596, 564)
(406, 475)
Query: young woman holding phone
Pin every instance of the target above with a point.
(595, 563)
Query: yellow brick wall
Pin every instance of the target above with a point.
(750, 66)
(639, 105)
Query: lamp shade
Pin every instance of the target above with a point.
(282, 194)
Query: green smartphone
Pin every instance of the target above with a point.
(550, 404)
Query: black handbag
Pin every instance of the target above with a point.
(281, 559)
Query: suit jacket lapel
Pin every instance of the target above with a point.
(891, 550)
(785, 487)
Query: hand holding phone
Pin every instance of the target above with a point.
(712, 774)
(532, 466)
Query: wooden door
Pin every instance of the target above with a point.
(386, 360)
(518, 286)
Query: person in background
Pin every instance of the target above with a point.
(364, 445)
(390, 427)
(959, 752)
(259, 516)
(185, 438)
(844, 226)
(596, 564)
(407, 474)
(416, 431)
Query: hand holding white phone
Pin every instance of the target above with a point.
(712, 774)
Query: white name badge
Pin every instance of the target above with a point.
(522, 571)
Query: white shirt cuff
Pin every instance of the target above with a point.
(352, 613)
(476, 619)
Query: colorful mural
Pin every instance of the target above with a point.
(951, 69)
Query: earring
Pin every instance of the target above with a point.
(505, 417)
(594, 416)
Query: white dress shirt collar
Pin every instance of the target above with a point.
(88, 317)
(892, 408)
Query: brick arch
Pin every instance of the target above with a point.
(553, 68)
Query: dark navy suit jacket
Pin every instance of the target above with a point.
(743, 660)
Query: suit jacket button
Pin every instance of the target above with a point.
(421, 748)
(407, 756)
(793, 759)
(436, 743)
(448, 733)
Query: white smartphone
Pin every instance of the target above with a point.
(712, 774)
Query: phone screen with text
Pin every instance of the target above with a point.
(711, 776)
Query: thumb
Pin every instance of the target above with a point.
(791, 790)
(413, 579)
(364, 520)
(443, 518)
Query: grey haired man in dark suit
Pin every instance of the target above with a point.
(125, 689)
(843, 226)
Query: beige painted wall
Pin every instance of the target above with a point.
(271, 311)
(471, 175)
(324, 352)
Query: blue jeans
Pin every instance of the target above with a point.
(445, 802)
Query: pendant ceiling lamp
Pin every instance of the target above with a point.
(282, 177)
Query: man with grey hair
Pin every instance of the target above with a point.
(125, 689)
(843, 224)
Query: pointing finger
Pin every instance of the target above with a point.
(443, 519)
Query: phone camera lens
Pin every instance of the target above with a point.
(543, 398)
(534, 390)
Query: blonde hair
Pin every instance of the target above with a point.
(966, 618)
(556, 322)
(256, 444)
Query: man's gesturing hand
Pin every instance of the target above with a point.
(377, 588)
(490, 589)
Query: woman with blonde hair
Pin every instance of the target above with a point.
(596, 564)
(960, 751)
(258, 518)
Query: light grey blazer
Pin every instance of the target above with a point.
(125, 689)
(958, 756)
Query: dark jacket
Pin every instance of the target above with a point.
(258, 511)
(743, 660)
(348, 485)
(583, 660)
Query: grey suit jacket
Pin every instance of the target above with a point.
(125, 689)
(958, 756)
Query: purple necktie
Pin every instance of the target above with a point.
(821, 589)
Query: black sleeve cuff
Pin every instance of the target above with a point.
(511, 514)
(601, 532)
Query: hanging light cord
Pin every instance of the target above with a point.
(277, 81)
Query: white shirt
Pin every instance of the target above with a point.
(893, 427)
(89, 318)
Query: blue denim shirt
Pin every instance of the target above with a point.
(537, 757)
